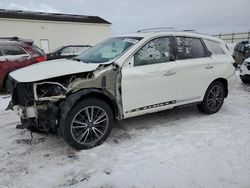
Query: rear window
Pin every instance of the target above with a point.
(238, 48)
(189, 48)
(12, 49)
(39, 50)
(242, 48)
(213, 47)
(248, 47)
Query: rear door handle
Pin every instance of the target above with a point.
(169, 73)
(209, 67)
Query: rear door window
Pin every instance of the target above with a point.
(12, 49)
(189, 48)
(213, 47)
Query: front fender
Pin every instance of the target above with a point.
(67, 104)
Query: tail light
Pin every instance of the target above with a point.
(41, 58)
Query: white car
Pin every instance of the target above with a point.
(122, 77)
(245, 71)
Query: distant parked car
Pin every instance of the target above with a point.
(67, 51)
(241, 52)
(245, 71)
(16, 53)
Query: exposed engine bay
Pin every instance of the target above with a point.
(43, 106)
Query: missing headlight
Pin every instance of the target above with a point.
(49, 91)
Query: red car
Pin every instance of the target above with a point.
(16, 53)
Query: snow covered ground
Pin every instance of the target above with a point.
(176, 148)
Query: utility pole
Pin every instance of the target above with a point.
(248, 36)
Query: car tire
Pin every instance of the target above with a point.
(6, 84)
(88, 124)
(213, 99)
(245, 81)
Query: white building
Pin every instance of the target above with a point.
(52, 30)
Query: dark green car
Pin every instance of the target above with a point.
(241, 52)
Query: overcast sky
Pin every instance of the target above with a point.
(208, 16)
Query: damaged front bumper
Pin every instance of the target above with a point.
(36, 109)
(25, 112)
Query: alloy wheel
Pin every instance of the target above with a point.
(215, 98)
(89, 125)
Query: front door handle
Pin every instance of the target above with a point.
(169, 73)
(209, 67)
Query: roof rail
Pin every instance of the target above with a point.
(188, 30)
(157, 29)
(10, 38)
(17, 39)
(191, 31)
(161, 29)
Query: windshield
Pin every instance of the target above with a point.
(108, 50)
(57, 49)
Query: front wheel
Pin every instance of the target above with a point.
(88, 124)
(213, 98)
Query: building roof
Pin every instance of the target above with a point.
(28, 15)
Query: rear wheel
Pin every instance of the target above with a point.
(213, 98)
(88, 124)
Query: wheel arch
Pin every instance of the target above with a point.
(5, 78)
(104, 97)
(72, 99)
(225, 84)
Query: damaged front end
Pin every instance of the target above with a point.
(43, 106)
(37, 104)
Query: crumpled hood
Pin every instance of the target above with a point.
(51, 69)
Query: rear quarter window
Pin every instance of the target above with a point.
(214, 47)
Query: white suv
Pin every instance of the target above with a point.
(122, 77)
(245, 71)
